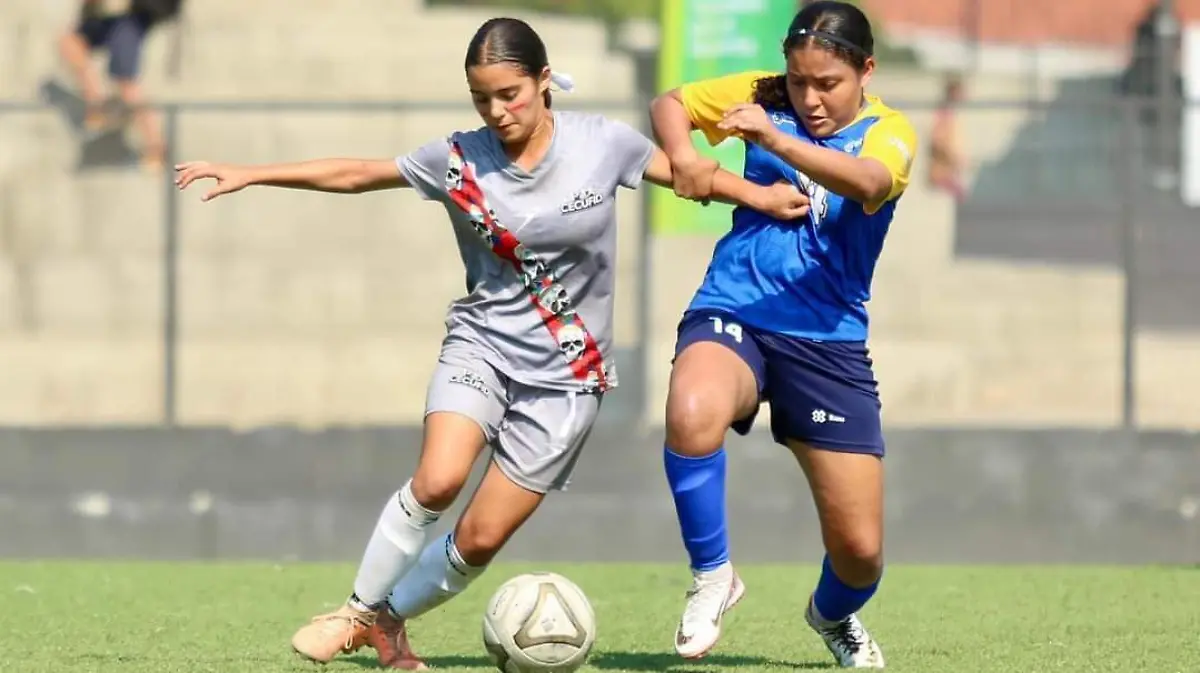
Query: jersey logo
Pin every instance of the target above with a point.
(780, 119)
(818, 197)
(575, 342)
(581, 200)
(903, 148)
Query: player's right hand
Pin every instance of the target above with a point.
(692, 176)
(229, 178)
(784, 201)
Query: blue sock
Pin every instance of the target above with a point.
(834, 599)
(698, 486)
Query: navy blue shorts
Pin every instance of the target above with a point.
(122, 36)
(822, 393)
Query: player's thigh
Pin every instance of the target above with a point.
(823, 394)
(536, 451)
(464, 408)
(716, 379)
(543, 436)
(825, 408)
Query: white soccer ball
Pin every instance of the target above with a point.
(539, 623)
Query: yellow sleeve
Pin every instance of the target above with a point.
(892, 141)
(707, 100)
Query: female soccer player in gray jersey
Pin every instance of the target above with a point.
(524, 364)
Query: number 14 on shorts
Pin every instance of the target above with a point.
(721, 326)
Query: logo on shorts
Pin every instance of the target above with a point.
(822, 416)
(470, 378)
(581, 200)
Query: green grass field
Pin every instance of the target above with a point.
(162, 618)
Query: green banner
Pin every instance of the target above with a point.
(710, 38)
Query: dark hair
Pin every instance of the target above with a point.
(838, 27)
(505, 40)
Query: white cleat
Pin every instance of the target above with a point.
(848, 640)
(713, 593)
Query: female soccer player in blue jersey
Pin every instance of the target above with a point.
(780, 315)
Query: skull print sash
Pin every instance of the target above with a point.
(549, 297)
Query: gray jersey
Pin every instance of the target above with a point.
(539, 247)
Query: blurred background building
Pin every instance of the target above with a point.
(997, 303)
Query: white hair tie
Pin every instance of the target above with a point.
(563, 81)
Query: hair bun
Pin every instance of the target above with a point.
(563, 81)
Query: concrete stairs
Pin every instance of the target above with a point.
(317, 309)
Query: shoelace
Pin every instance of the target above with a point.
(327, 622)
(849, 635)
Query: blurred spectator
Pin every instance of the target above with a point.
(119, 27)
(947, 161)
(1140, 77)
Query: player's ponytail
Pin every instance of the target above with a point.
(838, 27)
(771, 92)
(506, 40)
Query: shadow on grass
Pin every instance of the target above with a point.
(624, 661)
(434, 662)
(668, 661)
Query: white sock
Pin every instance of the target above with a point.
(722, 573)
(399, 535)
(440, 574)
(815, 616)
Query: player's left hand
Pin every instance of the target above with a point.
(783, 201)
(748, 121)
(229, 178)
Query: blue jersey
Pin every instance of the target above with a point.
(808, 278)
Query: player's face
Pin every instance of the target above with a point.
(824, 89)
(509, 101)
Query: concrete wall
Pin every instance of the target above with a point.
(952, 496)
(299, 308)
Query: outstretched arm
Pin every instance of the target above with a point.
(341, 176)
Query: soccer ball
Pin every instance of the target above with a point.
(539, 623)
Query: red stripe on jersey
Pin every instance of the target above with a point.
(465, 192)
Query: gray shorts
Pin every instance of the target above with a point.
(536, 434)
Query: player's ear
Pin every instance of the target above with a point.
(867, 71)
(543, 81)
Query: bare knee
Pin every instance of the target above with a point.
(479, 540)
(436, 491)
(857, 558)
(451, 444)
(696, 423)
(711, 387)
